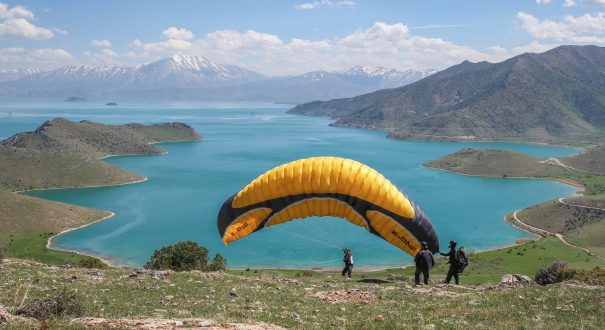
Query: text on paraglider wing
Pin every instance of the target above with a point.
(239, 228)
(403, 239)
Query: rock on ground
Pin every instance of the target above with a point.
(350, 295)
(514, 280)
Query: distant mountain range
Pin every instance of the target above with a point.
(15, 74)
(182, 76)
(557, 96)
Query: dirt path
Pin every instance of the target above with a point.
(542, 232)
(555, 161)
(562, 201)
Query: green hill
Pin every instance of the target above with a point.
(581, 219)
(496, 163)
(27, 223)
(294, 300)
(61, 153)
(592, 160)
(556, 96)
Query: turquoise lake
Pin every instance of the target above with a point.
(186, 187)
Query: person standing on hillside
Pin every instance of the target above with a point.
(457, 260)
(348, 260)
(424, 262)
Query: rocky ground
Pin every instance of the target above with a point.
(255, 299)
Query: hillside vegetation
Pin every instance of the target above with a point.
(581, 219)
(61, 154)
(299, 300)
(28, 222)
(556, 96)
(592, 160)
(497, 163)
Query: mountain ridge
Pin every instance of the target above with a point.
(185, 76)
(553, 97)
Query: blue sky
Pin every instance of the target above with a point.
(288, 37)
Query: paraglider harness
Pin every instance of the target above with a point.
(461, 259)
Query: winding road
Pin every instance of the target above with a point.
(539, 231)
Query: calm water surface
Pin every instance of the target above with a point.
(187, 186)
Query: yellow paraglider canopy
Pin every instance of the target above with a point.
(327, 186)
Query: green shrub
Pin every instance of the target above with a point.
(90, 262)
(65, 304)
(218, 263)
(595, 276)
(184, 256)
(1, 256)
(551, 274)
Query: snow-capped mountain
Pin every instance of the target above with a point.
(14, 74)
(184, 76)
(176, 72)
(384, 77)
(184, 71)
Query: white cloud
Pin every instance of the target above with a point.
(569, 3)
(15, 23)
(533, 47)
(383, 44)
(60, 31)
(15, 12)
(543, 2)
(20, 27)
(176, 33)
(324, 3)
(166, 46)
(43, 58)
(100, 43)
(584, 28)
(572, 3)
(177, 40)
(104, 56)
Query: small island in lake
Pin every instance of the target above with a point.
(75, 99)
(111, 104)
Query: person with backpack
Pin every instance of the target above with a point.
(424, 262)
(348, 260)
(458, 260)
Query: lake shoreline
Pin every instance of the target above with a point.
(116, 264)
(331, 267)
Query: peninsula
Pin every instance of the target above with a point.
(62, 154)
(577, 221)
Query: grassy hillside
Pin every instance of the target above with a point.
(305, 299)
(559, 217)
(581, 222)
(28, 222)
(98, 140)
(496, 163)
(61, 153)
(581, 226)
(29, 168)
(556, 96)
(488, 267)
(591, 160)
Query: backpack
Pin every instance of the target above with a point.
(347, 259)
(461, 259)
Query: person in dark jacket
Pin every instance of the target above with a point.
(424, 262)
(453, 271)
(348, 260)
